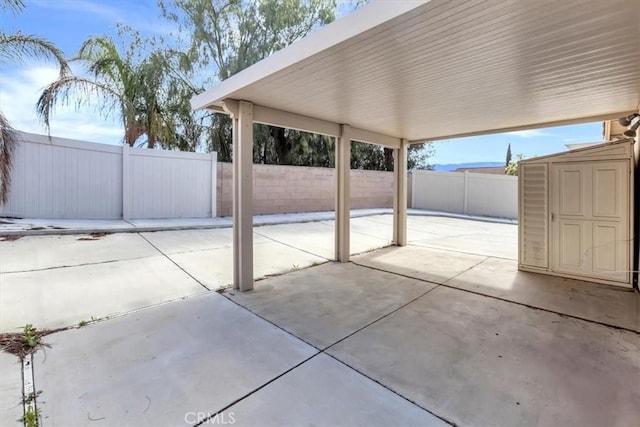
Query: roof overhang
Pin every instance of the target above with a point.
(427, 70)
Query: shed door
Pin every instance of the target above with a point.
(590, 219)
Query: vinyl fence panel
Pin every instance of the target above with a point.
(63, 178)
(466, 193)
(170, 184)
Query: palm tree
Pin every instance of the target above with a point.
(15, 48)
(119, 86)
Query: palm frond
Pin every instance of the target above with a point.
(16, 47)
(89, 94)
(14, 5)
(8, 143)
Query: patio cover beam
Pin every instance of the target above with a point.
(285, 119)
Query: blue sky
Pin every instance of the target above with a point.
(68, 23)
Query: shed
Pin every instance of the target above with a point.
(576, 213)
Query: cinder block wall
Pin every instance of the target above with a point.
(289, 189)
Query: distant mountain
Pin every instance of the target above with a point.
(453, 166)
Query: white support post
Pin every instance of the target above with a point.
(343, 171)
(400, 194)
(243, 197)
(126, 184)
(214, 184)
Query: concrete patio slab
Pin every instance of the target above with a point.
(475, 244)
(591, 301)
(318, 238)
(324, 304)
(214, 268)
(334, 395)
(174, 242)
(40, 252)
(10, 390)
(65, 296)
(369, 228)
(158, 366)
(314, 237)
(415, 231)
(475, 360)
(428, 264)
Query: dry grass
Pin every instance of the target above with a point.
(24, 343)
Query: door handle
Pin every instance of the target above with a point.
(553, 217)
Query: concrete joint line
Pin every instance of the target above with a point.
(569, 316)
(58, 267)
(462, 272)
(390, 389)
(380, 318)
(212, 416)
(417, 243)
(291, 246)
(323, 351)
(174, 263)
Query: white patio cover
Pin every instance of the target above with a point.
(425, 70)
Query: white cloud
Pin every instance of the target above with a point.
(531, 133)
(19, 93)
(142, 17)
(82, 6)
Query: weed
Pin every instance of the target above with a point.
(31, 417)
(295, 267)
(83, 323)
(30, 335)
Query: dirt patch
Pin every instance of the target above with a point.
(95, 236)
(22, 344)
(37, 228)
(9, 238)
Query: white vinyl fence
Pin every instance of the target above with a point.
(466, 193)
(63, 178)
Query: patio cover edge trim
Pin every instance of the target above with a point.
(341, 30)
(574, 121)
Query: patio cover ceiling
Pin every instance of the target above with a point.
(425, 70)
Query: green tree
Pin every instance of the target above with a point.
(508, 155)
(512, 167)
(16, 48)
(227, 36)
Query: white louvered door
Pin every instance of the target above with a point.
(534, 250)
